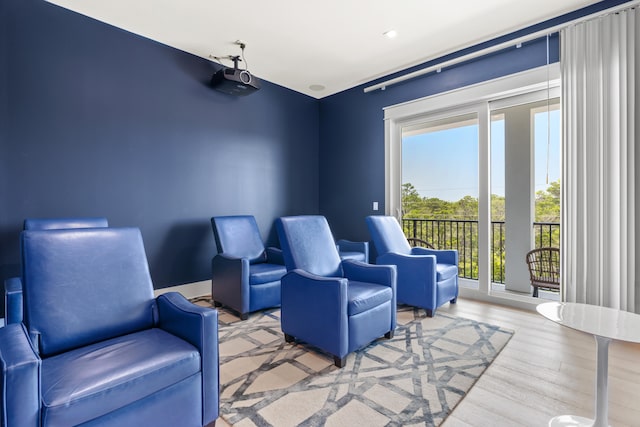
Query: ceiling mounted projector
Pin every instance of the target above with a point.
(234, 81)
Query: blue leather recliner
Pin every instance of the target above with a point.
(12, 286)
(427, 278)
(95, 347)
(245, 276)
(338, 306)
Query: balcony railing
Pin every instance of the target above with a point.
(463, 236)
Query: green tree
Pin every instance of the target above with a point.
(466, 208)
(411, 201)
(497, 208)
(548, 203)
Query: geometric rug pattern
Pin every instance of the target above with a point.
(414, 379)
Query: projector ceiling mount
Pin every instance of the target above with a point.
(234, 58)
(234, 81)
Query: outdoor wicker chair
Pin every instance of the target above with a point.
(544, 269)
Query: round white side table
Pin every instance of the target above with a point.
(605, 324)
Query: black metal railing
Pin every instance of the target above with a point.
(463, 236)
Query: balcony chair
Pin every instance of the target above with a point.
(245, 275)
(335, 305)
(95, 348)
(427, 278)
(544, 269)
(355, 251)
(12, 286)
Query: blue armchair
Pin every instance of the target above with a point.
(337, 306)
(245, 275)
(13, 286)
(427, 278)
(95, 347)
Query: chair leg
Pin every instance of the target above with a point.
(217, 304)
(288, 338)
(453, 301)
(389, 335)
(244, 316)
(430, 313)
(535, 292)
(339, 361)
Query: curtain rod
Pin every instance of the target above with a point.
(499, 46)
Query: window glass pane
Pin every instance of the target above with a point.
(440, 187)
(547, 175)
(440, 169)
(497, 197)
(547, 162)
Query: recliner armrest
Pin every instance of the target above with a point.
(362, 272)
(20, 376)
(198, 326)
(230, 281)
(315, 310)
(386, 275)
(443, 256)
(344, 245)
(410, 265)
(225, 265)
(304, 279)
(397, 259)
(274, 255)
(13, 300)
(350, 245)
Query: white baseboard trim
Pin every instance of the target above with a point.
(189, 290)
(526, 302)
(508, 298)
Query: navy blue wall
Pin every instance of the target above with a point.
(3, 81)
(104, 122)
(3, 129)
(352, 128)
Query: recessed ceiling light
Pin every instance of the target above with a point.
(390, 34)
(316, 87)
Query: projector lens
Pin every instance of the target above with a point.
(245, 77)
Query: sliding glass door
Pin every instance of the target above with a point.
(477, 170)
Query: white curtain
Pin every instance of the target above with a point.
(600, 62)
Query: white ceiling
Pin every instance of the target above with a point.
(337, 44)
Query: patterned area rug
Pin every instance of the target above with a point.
(416, 378)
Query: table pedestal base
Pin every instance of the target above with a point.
(570, 421)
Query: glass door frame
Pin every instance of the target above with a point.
(475, 98)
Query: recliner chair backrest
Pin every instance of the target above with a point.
(84, 285)
(307, 244)
(238, 236)
(61, 223)
(387, 235)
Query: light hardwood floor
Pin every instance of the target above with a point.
(544, 370)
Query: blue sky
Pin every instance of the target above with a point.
(444, 164)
